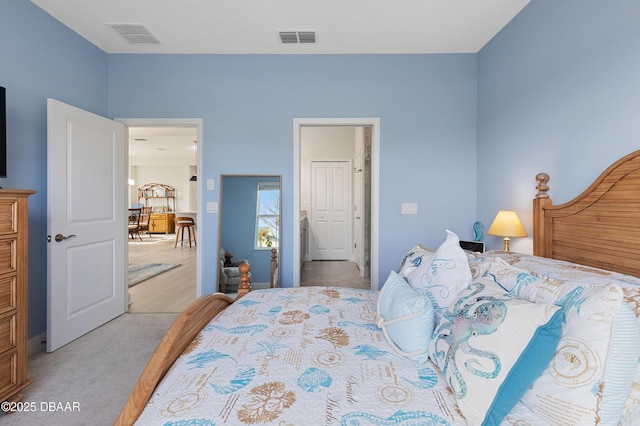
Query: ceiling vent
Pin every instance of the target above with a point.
(134, 33)
(298, 37)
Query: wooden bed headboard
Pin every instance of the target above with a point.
(600, 227)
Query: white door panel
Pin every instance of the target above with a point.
(330, 230)
(86, 193)
(80, 296)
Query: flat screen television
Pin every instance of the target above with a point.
(3, 133)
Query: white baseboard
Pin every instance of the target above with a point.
(37, 344)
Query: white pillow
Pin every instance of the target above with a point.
(590, 375)
(478, 263)
(490, 346)
(624, 353)
(445, 275)
(415, 257)
(405, 317)
(572, 385)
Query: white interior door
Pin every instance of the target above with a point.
(330, 224)
(86, 193)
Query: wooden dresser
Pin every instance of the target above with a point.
(13, 293)
(162, 223)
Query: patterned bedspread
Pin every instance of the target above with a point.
(302, 356)
(571, 272)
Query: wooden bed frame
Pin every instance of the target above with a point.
(598, 228)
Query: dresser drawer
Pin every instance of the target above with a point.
(7, 294)
(7, 255)
(8, 365)
(7, 333)
(7, 216)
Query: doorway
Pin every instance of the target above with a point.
(302, 204)
(165, 152)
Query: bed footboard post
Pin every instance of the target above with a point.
(540, 202)
(245, 285)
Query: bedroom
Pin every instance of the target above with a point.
(560, 79)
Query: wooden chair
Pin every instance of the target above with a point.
(134, 223)
(145, 217)
(182, 223)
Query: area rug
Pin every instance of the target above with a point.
(153, 239)
(140, 273)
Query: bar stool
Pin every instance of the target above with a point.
(182, 223)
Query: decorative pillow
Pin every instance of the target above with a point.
(624, 353)
(516, 281)
(478, 264)
(445, 275)
(413, 259)
(588, 378)
(405, 317)
(490, 346)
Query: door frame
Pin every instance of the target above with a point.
(374, 123)
(173, 122)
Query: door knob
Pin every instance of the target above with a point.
(60, 237)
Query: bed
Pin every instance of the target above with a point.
(452, 338)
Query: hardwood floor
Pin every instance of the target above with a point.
(171, 291)
(333, 274)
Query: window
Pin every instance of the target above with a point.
(268, 215)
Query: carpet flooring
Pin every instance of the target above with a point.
(140, 273)
(94, 374)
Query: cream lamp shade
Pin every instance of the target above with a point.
(507, 224)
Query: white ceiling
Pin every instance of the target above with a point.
(174, 142)
(250, 26)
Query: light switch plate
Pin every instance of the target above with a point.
(409, 208)
(212, 207)
(210, 184)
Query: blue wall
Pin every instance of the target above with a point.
(39, 59)
(558, 92)
(426, 105)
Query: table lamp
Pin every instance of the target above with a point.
(507, 224)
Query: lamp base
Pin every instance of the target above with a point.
(506, 244)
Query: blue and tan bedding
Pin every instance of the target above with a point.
(310, 355)
(300, 356)
(452, 338)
